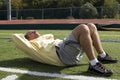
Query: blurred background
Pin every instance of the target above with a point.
(61, 9)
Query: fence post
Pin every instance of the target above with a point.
(9, 9)
(70, 11)
(42, 13)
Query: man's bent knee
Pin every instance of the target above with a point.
(91, 26)
(85, 28)
(81, 29)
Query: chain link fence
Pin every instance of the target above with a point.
(61, 13)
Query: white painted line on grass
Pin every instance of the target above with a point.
(10, 77)
(44, 74)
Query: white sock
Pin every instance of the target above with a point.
(94, 61)
(102, 55)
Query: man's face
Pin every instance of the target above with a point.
(32, 34)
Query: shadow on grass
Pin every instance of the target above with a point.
(28, 64)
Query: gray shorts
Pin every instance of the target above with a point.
(69, 51)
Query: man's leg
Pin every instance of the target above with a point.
(103, 57)
(83, 34)
(95, 38)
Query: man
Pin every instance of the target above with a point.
(82, 38)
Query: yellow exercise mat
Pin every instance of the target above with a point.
(35, 54)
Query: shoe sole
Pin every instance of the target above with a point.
(100, 74)
(108, 62)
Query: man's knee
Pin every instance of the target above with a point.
(83, 28)
(91, 26)
(80, 30)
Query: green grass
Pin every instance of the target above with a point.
(12, 57)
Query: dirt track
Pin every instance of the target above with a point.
(61, 21)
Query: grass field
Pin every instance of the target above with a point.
(11, 57)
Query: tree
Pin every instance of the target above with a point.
(70, 3)
(118, 1)
(110, 9)
(3, 4)
(50, 3)
(36, 4)
(16, 5)
(88, 11)
(27, 4)
(98, 3)
(44, 3)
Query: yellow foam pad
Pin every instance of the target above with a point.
(23, 44)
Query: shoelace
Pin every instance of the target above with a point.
(100, 67)
(108, 57)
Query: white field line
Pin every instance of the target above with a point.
(10, 77)
(44, 74)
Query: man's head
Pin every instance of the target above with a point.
(32, 34)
